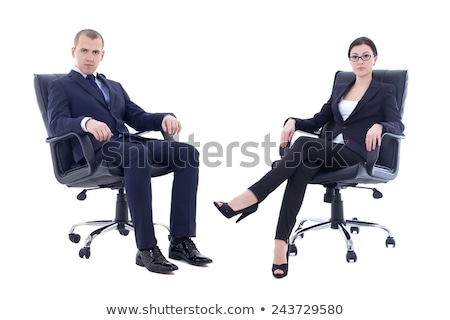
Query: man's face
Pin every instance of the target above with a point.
(88, 53)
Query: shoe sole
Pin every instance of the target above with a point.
(176, 256)
(156, 269)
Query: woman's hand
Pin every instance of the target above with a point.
(287, 133)
(373, 137)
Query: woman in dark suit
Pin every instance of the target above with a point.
(360, 112)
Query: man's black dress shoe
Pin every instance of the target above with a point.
(185, 249)
(154, 261)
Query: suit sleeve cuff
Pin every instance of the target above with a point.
(290, 119)
(83, 123)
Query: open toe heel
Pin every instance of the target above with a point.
(283, 267)
(226, 210)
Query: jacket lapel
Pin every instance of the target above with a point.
(338, 94)
(85, 85)
(371, 91)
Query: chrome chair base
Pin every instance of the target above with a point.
(120, 223)
(343, 226)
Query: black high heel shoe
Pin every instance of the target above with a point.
(226, 210)
(283, 267)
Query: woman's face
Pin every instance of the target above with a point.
(362, 60)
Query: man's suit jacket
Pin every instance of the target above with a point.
(378, 105)
(71, 98)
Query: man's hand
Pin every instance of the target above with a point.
(171, 125)
(99, 130)
(287, 133)
(373, 137)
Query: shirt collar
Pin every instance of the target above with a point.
(75, 68)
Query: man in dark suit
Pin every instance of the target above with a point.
(86, 102)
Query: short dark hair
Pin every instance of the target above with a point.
(363, 40)
(90, 34)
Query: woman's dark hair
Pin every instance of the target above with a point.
(363, 40)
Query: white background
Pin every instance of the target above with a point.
(232, 72)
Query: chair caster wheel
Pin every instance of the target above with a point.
(124, 232)
(351, 256)
(354, 230)
(390, 242)
(299, 235)
(292, 250)
(74, 237)
(85, 252)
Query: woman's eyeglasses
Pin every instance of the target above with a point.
(364, 57)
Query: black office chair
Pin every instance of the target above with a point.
(382, 166)
(92, 175)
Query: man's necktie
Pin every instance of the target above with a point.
(91, 80)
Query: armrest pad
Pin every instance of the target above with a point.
(316, 133)
(165, 135)
(283, 150)
(85, 142)
(169, 137)
(373, 156)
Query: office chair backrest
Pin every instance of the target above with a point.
(41, 82)
(389, 152)
(399, 78)
(64, 161)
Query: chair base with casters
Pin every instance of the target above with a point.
(121, 223)
(337, 221)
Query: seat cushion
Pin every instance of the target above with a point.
(348, 176)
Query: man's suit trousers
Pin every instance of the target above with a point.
(136, 156)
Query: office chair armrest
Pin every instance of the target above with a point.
(165, 135)
(373, 156)
(282, 150)
(169, 137)
(372, 163)
(86, 146)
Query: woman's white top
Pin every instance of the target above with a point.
(346, 107)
